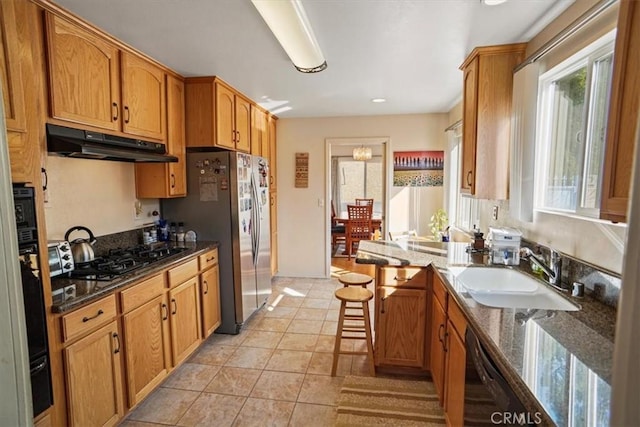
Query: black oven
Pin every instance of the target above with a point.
(33, 295)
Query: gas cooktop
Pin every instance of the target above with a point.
(122, 261)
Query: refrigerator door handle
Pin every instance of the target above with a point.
(255, 222)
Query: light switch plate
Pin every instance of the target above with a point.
(494, 214)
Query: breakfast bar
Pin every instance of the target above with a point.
(557, 363)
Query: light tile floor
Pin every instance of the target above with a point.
(276, 372)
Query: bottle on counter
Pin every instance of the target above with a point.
(180, 232)
(172, 231)
(163, 230)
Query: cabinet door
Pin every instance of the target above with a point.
(264, 136)
(10, 72)
(93, 376)
(400, 335)
(623, 124)
(184, 303)
(256, 132)
(84, 75)
(469, 127)
(243, 124)
(176, 136)
(143, 98)
(146, 335)
(272, 152)
(210, 289)
(224, 124)
(439, 324)
(455, 377)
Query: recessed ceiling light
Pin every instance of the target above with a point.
(378, 100)
(492, 2)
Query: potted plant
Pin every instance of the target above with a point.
(439, 224)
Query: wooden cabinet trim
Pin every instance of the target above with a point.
(405, 277)
(208, 259)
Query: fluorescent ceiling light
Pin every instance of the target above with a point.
(378, 100)
(288, 22)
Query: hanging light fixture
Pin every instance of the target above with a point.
(362, 153)
(288, 22)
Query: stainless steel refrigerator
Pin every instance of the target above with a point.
(228, 201)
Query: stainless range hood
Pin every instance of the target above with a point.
(69, 142)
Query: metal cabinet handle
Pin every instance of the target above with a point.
(469, 174)
(403, 279)
(86, 319)
(175, 306)
(444, 342)
(238, 133)
(382, 305)
(233, 135)
(115, 111)
(117, 338)
(45, 179)
(206, 291)
(211, 259)
(165, 311)
(173, 181)
(440, 328)
(128, 114)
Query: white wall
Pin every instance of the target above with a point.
(98, 194)
(302, 222)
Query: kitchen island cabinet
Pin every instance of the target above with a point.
(486, 117)
(401, 318)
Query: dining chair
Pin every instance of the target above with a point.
(338, 231)
(364, 202)
(358, 225)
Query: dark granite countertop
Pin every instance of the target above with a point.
(556, 361)
(91, 290)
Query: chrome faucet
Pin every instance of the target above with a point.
(553, 270)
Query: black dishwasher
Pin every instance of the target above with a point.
(488, 398)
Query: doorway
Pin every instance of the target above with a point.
(348, 179)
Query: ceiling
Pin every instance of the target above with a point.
(405, 51)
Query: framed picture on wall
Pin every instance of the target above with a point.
(418, 168)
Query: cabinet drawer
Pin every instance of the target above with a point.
(81, 321)
(406, 277)
(208, 259)
(183, 272)
(139, 294)
(439, 290)
(456, 317)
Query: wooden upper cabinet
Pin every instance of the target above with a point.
(143, 97)
(488, 86)
(271, 128)
(10, 69)
(622, 128)
(225, 112)
(217, 115)
(259, 133)
(84, 75)
(243, 123)
(165, 180)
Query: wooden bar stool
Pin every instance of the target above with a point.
(355, 279)
(358, 324)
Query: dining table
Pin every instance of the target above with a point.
(376, 221)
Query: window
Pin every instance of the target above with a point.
(572, 111)
(463, 210)
(358, 179)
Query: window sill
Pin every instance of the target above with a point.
(577, 217)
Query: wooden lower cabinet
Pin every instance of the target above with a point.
(438, 328)
(401, 327)
(455, 377)
(93, 369)
(210, 294)
(147, 349)
(184, 306)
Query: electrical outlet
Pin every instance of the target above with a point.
(494, 213)
(137, 210)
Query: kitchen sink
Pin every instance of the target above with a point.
(509, 288)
